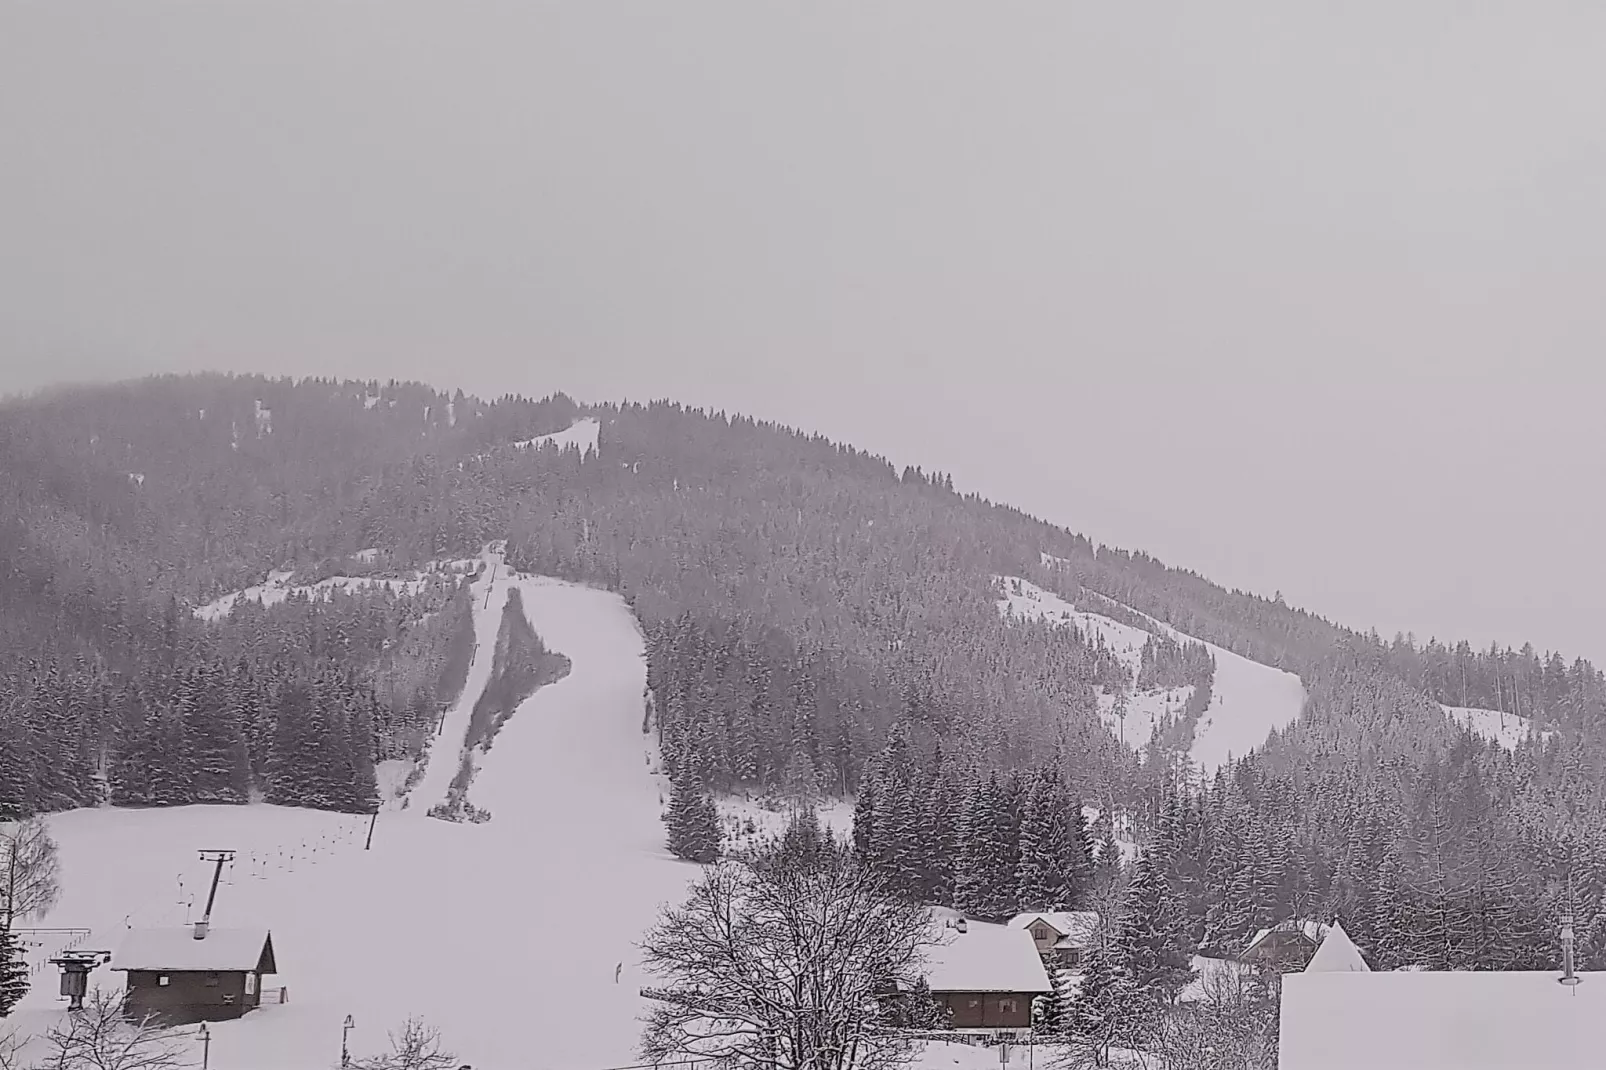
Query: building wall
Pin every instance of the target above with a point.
(212, 996)
(987, 1010)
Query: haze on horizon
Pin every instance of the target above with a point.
(1306, 300)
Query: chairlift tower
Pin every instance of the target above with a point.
(75, 969)
(219, 857)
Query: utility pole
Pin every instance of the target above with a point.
(345, 1029)
(373, 818)
(206, 1046)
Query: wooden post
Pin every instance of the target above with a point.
(371, 820)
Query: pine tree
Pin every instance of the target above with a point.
(13, 972)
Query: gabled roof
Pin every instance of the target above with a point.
(1434, 1020)
(985, 958)
(1311, 930)
(1338, 954)
(1076, 927)
(177, 951)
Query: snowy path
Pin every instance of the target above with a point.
(505, 935)
(446, 750)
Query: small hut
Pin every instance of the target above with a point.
(197, 973)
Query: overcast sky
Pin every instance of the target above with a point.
(1305, 297)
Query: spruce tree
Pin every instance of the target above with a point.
(13, 972)
(984, 877)
(1052, 845)
(1155, 934)
(1107, 1004)
(693, 823)
(864, 818)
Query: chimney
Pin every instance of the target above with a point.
(1568, 977)
(200, 929)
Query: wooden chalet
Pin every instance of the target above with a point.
(197, 973)
(1063, 938)
(1285, 947)
(987, 977)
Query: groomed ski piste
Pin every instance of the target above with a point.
(1248, 699)
(505, 935)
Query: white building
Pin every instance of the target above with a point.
(1427, 1020)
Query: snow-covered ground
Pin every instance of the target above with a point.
(506, 935)
(279, 586)
(748, 823)
(1248, 699)
(1506, 729)
(582, 435)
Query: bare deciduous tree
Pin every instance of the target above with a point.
(103, 1037)
(10, 1050)
(30, 876)
(416, 1046)
(784, 968)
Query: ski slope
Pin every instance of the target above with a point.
(582, 435)
(1248, 699)
(505, 935)
(1506, 729)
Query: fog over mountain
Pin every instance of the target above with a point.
(1304, 300)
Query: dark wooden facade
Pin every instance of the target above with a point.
(987, 1010)
(203, 984)
(194, 995)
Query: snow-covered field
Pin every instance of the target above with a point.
(1506, 729)
(1248, 699)
(506, 934)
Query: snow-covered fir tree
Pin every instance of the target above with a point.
(693, 822)
(13, 971)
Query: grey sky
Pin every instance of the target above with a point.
(1302, 296)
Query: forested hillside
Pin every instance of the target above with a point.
(806, 605)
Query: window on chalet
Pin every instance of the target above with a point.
(212, 980)
(163, 980)
(250, 984)
(1008, 1006)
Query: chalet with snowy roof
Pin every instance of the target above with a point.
(1063, 938)
(1337, 954)
(197, 973)
(987, 977)
(1431, 1020)
(1285, 947)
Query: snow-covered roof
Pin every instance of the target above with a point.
(1337, 954)
(1076, 927)
(1432, 1020)
(1315, 930)
(985, 958)
(177, 951)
